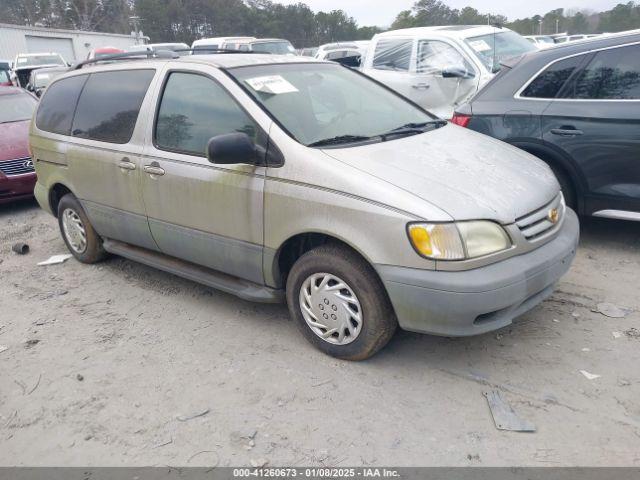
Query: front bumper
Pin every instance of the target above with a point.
(476, 301)
(15, 187)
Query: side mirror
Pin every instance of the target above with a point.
(456, 72)
(231, 148)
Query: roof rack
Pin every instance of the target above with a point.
(160, 53)
(127, 56)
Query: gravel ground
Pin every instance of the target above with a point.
(120, 364)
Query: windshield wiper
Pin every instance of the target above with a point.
(413, 128)
(338, 140)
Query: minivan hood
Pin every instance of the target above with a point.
(466, 174)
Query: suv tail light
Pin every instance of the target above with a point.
(460, 119)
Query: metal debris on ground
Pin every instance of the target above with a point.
(589, 376)
(632, 333)
(611, 310)
(3, 348)
(503, 415)
(616, 334)
(20, 248)
(184, 418)
(55, 259)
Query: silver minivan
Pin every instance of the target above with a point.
(283, 178)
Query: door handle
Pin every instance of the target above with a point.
(567, 132)
(420, 86)
(126, 164)
(154, 169)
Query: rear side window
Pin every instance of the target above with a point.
(393, 54)
(193, 109)
(109, 105)
(549, 82)
(55, 113)
(611, 75)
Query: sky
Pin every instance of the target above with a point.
(383, 12)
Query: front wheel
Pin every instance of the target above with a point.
(78, 233)
(339, 303)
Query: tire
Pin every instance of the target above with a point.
(364, 297)
(566, 186)
(71, 213)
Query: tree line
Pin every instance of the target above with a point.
(188, 20)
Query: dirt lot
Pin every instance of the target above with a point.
(106, 365)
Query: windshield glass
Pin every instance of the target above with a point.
(16, 108)
(276, 48)
(36, 60)
(315, 102)
(42, 79)
(507, 45)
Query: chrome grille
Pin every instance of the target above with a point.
(539, 222)
(18, 166)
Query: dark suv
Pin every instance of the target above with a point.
(577, 107)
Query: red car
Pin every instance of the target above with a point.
(103, 52)
(17, 175)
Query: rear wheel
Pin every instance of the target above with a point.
(78, 233)
(339, 303)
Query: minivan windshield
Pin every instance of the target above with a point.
(323, 104)
(491, 49)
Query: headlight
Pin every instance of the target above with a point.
(458, 240)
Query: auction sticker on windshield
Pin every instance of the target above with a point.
(480, 45)
(271, 84)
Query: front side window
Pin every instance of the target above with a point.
(5, 76)
(193, 109)
(491, 49)
(55, 113)
(611, 75)
(393, 54)
(16, 108)
(549, 82)
(435, 56)
(315, 102)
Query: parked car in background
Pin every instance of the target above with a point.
(276, 46)
(205, 46)
(344, 53)
(441, 67)
(25, 63)
(182, 48)
(577, 107)
(17, 175)
(541, 41)
(276, 176)
(103, 52)
(309, 52)
(41, 77)
(5, 73)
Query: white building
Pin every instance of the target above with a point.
(73, 45)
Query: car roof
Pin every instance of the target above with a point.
(449, 31)
(220, 60)
(37, 54)
(205, 41)
(260, 40)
